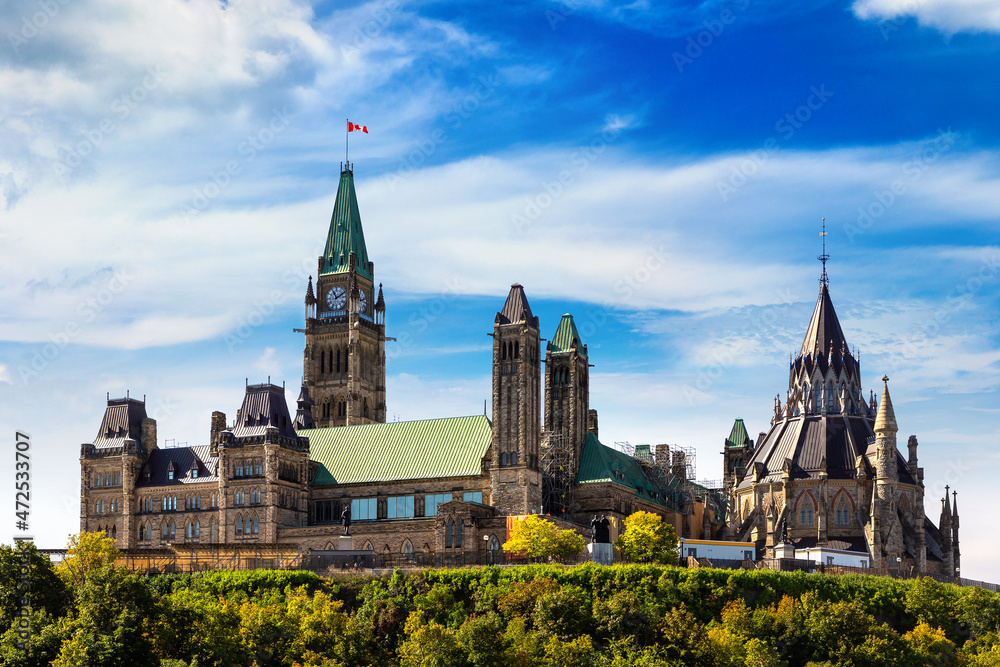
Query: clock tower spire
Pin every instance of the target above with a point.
(344, 356)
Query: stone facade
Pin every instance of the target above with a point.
(829, 468)
(260, 481)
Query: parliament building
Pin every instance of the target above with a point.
(436, 490)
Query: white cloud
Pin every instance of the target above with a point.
(949, 16)
(5, 374)
(268, 363)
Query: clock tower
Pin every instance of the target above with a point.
(344, 359)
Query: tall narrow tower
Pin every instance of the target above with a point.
(344, 357)
(887, 545)
(515, 474)
(567, 390)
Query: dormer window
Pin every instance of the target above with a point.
(172, 470)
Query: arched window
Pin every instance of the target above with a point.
(239, 525)
(342, 407)
(843, 512)
(408, 550)
(829, 397)
(806, 513)
(189, 531)
(458, 534)
(197, 529)
(322, 361)
(449, 529)
(819, 399)
(503, 459)
(513, 458)
(114, 532)
(368, 546)
(173, 532)
(338, 359)
(142, 533)
(211, 532)
(254, 524)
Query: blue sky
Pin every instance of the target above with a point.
(660, 171)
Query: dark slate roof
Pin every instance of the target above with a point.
(516, 308)
(303, 415)
(122, 419)
(824, 329)
(738, 436)
(566, 335)
(263, 405)
(807, 440)
(345, 235)
(184, 459)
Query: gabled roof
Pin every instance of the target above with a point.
(516, 308)
(824, 330)
(184, 460)
(566, 334)
(738, 436)
(122, 419)
(430, 448)
(600, 463)
(345, 235)
(263, 405)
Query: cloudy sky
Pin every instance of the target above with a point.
(660, 170)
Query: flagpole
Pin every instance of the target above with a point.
(347, 142)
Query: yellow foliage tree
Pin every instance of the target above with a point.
(647, 539)
(87, 552)
(537, 537)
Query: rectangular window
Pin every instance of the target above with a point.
(692, 553)
(364, 509)
(473, 497)
(747, 555)
(431, 502)
(400, 507)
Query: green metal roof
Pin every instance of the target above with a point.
(451, 447)
(346, 235)
(566, 333)
(600, 463)
(738, 437)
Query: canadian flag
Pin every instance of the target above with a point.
(354, 127)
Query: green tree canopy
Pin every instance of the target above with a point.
(647, 539)
(88, 552)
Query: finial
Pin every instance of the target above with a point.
(823, 280)
(885, 379)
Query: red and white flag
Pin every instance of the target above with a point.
(354, 127)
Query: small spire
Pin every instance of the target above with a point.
(885, 420)
(824, 280)
(310, 295)
(380, 302)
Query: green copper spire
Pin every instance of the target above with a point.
(565, 335)
(346, 235)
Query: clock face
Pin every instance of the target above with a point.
(363, 304)
(336, 298)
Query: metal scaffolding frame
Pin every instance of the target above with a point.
(558, 476)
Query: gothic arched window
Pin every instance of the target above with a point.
(829, 397)
(843, 512)
(449, 528)
(806, 513)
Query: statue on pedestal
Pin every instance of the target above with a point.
(600, 530)
(345, 518)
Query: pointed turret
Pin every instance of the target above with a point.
(567, 337)
(885, 421)
(380, 302)
(303, 415)
(516, 308)
(346, 235)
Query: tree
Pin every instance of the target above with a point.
(647, 539)
(88, 552)
(537, 537)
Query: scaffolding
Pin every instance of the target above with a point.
(557, 474)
